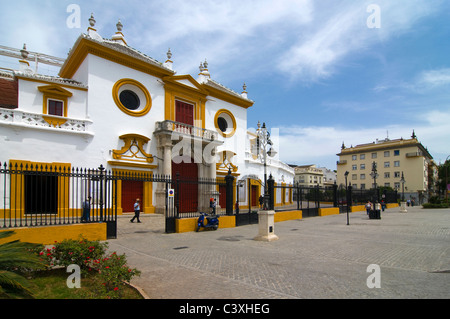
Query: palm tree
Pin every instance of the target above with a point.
(16, 256)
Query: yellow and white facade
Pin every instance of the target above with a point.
(393, 158)
(114, 106)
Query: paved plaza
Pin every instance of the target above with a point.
(317, 257)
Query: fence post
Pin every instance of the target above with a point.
(349, 196)
(271, 188)
(101, 168)
(229, 193)
(335, 200)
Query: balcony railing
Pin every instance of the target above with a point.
(414, 154)
(186, 129)
(19, 118)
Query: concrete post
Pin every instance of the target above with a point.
(266, 223)
(403, 207)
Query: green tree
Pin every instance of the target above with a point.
(444, 176)
(16, 258)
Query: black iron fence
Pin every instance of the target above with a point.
(311, 199)
(44, 195)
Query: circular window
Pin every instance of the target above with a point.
(225, 123)
(222, 123)
(129, 99)
(132, 97)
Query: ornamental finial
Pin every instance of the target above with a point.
(119, 26)
(92, 20)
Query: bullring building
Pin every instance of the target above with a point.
(115, 106)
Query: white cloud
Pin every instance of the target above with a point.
(434, 78)
(224, 32)
(340, 33)
(320, 144)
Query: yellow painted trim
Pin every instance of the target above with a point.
(216, 117)
(85, 46)
(50, 82)
(257, 183)
(49, 234)
(57, 93)
(358, 208)
(328, 211)
(190, 224)
(133, 164)
(228, 97)
(175, 90)
(288, 215)
(129, 139)
(115, 94)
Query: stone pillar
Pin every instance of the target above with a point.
(266, 226)
(403, 207)
(229, 192)
(165, 168)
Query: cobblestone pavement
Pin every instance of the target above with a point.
(318, 257)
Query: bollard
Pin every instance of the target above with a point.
(266, 226)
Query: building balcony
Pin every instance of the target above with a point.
(172, 127)
(414, 154)
(341, 162)
(16, 118)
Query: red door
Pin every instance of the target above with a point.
(223, 196)
(130, 191)
(254, 195)
(187, 190)
(184, 113)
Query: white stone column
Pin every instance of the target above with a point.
(403, 207)
(266, 226)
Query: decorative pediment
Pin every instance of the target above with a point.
(186, 82)
(133, 149)
(225, 162)
(54, 90)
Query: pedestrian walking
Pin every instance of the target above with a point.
(213, 204)
(137, 210)
(368, 207)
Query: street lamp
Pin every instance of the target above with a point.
(346, 194)
(374, 175)
(264, 144)
(402, 180)
(446, 179)
(403, 204)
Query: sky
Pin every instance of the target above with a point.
(321, 72)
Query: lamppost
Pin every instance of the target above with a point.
(374, 175)
(446, 179)
(403, 203)
(346, 194)
(264, 146)
(402, 180)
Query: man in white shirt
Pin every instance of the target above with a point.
(137, 210)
